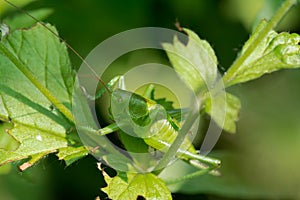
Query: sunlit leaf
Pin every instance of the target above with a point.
(194, 62)
(276, 51)
(128, 186)
(38, 127)
(32, 141)
(7, 141)
(71, 154)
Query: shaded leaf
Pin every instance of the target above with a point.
(128, 186)
(100, 146)
(139, 152)
(133, 144)
(226, 111)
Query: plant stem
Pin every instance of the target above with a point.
(189, 176)
(233, 70)
(57, 103)
(177, 142)
(108, 129)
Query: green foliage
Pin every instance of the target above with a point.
(168, 105)
(232, 106)
(266, 51)
(199, 58)
(7, 141)
(71, 154)
(273, 52)
(37, 126)
(131, 186)
(276, 51)
(195, 62)
(34, 65)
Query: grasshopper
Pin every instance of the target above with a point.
(157, 126)
(134, 111)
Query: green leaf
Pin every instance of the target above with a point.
(37, 126)
(230, 111)
(71, 154)
(203, 60)
(195, 62)
(34, 158)
(276, 51)
(7, 142)
(32, 141)
(128, 186)
(168, 105)
(22, 20)
(100, 147)
(133, 144)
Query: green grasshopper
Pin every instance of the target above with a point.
(135, 110)
(160, 133)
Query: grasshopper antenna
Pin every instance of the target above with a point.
(63, 41)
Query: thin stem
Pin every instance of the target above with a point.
(64, 110)
(189, 176)
(201, 158)
(233, 70)
(177, 142)
(108, 129)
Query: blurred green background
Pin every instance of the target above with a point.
(260, 161)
